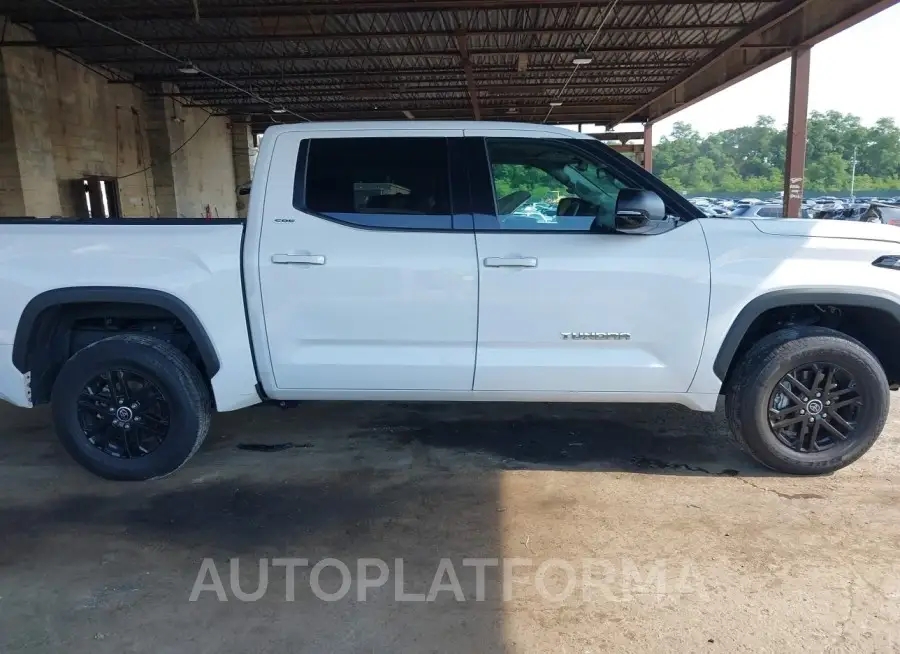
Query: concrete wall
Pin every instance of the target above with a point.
(203, 170)
(61, 122)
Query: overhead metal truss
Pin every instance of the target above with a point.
(386, 59)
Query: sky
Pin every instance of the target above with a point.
(852, 72)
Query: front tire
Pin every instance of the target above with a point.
(808, 401)
(131, 408)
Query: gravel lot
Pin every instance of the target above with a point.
(638, 528)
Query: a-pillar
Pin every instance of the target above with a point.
(795, 162)
(243, 151)
(648, 147)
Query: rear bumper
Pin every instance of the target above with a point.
(14, 386)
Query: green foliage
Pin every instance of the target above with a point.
(751, 159)
(511, 178)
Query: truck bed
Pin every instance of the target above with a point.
(195, 261)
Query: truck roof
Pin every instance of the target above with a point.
(401, 125)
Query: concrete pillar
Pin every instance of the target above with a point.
(648, 147)
(156, 124)
(12, 201)
(795, 162)
(28, 180)
(243, 151)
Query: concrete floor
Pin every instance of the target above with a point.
(676, 542)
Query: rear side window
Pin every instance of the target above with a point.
(391, 183)
(770, 212)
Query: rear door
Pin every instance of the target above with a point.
(368, 279)
(566, 304)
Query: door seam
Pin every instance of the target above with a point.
(477, 307)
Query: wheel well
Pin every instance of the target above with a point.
(875, 328)
(59, 331)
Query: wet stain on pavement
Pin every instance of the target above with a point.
(560, 443)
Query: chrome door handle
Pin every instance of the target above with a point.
(307, 259)
(511, 262)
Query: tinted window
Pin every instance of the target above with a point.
(380, 182)
(542, 185)
(770, 212)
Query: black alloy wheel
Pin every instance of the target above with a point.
(807, 400)
(131, 407)
(123, 414)
(815, 407)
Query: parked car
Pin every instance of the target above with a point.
(764, 211)
(826, 204)
(886, 214)
(883, 213)
(712, 211)
(370, 268)
(758, 211)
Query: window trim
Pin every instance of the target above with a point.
(440, 222)
(632, 175)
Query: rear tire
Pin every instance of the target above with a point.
(797, 433)
(131, 408)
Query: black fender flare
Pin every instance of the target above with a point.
(793, 297)
(97, 294)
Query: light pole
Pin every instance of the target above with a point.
(853, 176)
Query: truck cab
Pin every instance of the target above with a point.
(393, 259)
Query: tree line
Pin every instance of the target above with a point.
(751, 159)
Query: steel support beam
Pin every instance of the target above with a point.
(623, 137)
(462, 43)
(225, 10)
(326, 35)
(795, 162)
(648, 147)
(369, 56)
(383, 89)
(610, 72)
(585, 112)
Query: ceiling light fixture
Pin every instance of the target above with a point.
(582, 61)
(408, 114)
(556, 103)
(188, 69)
(279, 110)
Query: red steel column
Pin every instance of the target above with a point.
(648, 147)
(795, 162)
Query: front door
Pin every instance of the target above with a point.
(364, 282)
(567, 304)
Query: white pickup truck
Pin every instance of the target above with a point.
(396, 261)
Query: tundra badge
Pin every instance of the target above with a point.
(596, 336)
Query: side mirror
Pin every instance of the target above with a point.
(638, 211)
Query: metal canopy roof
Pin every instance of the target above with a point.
(438, 59)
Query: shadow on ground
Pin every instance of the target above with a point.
(111, 567)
